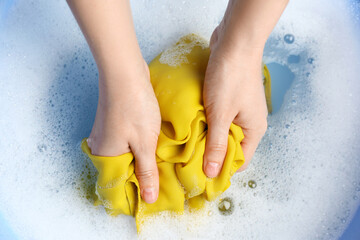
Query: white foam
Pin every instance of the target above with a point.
(174, 56)
(306, 168)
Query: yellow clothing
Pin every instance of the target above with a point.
(177, 77)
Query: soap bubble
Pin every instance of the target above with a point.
(252, 184)
(48, 103)
(226, 206)
(289, 38)
(42, 147)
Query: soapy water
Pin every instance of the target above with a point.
(306, 169)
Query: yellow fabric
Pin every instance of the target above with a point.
(267, 84)
(181, 144)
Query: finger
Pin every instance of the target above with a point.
(214, 37)
(216, 147)
(146, 171)
(88, 141)
(249, 144)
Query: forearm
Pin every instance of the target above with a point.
(109, 30)
(248, 23)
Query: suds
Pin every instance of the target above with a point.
(306, 168)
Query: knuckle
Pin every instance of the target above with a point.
(144, 142)
(217, 116)
(145, 176)
(261, 127)
(151, 139)
(144, 146)
(218, 149)
(138, 148)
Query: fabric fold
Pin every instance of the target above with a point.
(177, 77)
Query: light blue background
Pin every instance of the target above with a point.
(5, 231)
(351, 233)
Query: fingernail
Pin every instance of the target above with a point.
(212, 169)
(149, 195)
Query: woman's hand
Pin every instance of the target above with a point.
(233, 87)
(128, 115)
(233, 92)
(130, 121)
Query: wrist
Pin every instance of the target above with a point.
(237, 43)
(238, 53)
(248, 24)
(120, 65)
(242, 36)
(119, 84)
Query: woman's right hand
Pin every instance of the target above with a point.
(128, 115)
(129, 120)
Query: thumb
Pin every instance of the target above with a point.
(146, 172)
(216, 147)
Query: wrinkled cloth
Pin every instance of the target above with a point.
(177, 77)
